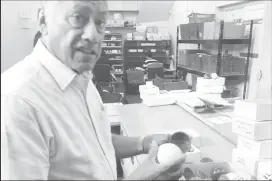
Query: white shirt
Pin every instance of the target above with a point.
(52, 131)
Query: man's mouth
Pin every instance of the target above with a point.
(87, 51)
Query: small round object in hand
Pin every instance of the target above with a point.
(168, 153)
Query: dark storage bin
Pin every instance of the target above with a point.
(209, 63)
(184, 32)
(169, 84)
(192, 31)
(197, 63)
(135, 77)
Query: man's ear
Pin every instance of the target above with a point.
(42, 21)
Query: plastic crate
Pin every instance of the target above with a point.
(200, 18)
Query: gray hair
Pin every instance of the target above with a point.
(48, 6)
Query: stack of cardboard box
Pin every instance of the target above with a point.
(210, 86)
(253, 124)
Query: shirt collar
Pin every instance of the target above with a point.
(61, 73)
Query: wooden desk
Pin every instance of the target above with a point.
(139, 119)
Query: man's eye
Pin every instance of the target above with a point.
(77, 20)
(101, 23)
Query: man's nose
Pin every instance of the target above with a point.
(90, 33)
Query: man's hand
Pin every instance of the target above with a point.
(158, 138)
(151, 170)
(175, 172)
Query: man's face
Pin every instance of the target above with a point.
(75, 32)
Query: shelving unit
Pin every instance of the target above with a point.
(120, 27)
(134, 56)
(112, 49)
(219, 44)
(113, 42)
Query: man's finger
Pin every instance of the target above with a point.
(153, 151)
(176, 174)
(182, 159)
(162, 138)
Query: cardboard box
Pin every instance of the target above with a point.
(242, 171)
(148, 90)
(194, 156)
(257, 131)
(209, 30)
(260, 150)
(139, 37)
(257, 110)
(210, 89)
(264, 171)
(204, 170)
(152, 29)
(129, 36)
(247, 161)
(158, 100)
(232, 30)
(203, 82)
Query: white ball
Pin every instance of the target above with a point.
(168, 153)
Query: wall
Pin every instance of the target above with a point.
(16, 42)
(152, 11)
(126, 16)
(124, 5)
(264, 84)
(163, 26)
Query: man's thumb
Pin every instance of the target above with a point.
(153, 151)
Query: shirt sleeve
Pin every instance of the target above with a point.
(25, 150)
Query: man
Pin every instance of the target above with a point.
(54, 119)
(149, 59)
